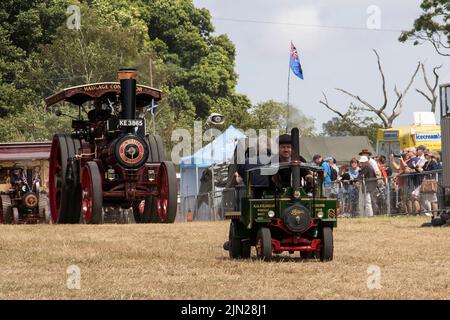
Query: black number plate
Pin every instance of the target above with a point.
(131, 122)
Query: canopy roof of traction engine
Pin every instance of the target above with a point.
(19, 151)
(103, 90)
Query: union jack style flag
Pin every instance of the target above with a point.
(24, 178)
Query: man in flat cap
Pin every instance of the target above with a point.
(283, 177)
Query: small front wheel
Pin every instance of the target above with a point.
(246, 248)
(326, 253)
(15, 212)
(264, 244)
(92, 194)
(235, 247)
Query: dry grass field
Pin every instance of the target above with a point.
(186, 261)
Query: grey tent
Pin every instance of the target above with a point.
(343, 149)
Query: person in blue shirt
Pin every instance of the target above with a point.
(15, 177)
(327, 165)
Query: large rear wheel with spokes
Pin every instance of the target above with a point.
(64, 182)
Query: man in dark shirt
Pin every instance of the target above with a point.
(283, 177)
(253, 156)
(368, 176)
(413, 180)
(256, 178)
(15, 177)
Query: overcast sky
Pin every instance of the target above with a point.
(330, 57)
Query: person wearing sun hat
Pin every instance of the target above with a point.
(373, 163)
(420, 151)
(430, 200)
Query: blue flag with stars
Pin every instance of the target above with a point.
(295, 62)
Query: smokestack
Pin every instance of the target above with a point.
(127, 77)
(295, 159)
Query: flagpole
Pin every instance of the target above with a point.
(289, 78)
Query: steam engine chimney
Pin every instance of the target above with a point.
(127, 77)
(295, 159)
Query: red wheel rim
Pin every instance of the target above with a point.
(163, 198)
(86, 195)
(141, 207)
(55, 180)
(259, 250)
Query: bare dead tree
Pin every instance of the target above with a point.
(380, 111)
(343, 116)
(432, 98)
(327, 105)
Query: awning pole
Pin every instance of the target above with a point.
(196, 179)
(213, 192)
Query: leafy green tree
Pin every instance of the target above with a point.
(92, 54)
(28, 24)
(269, 115)
(170, 42)
(273, 115)
(181, 35)
(432, 26)
(24, 26)
(175, 111)
(235, 110)
(296, 118)
(34, 123)
(353, 123)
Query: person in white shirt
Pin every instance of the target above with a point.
(420, 153)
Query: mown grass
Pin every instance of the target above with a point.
(186, 261)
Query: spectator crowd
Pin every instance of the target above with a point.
(368, 185)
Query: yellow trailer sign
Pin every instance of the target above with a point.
(394, 140)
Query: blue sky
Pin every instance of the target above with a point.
(330, 57)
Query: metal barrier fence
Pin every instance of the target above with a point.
(209, 206)
(396, 195)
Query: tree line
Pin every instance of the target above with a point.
(173, 45)
(170, 42)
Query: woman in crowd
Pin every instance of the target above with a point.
(429, 197)
(348, 176)
(401, 181)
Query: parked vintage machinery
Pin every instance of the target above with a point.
(444, 217)
(284, 219)
(20, 199)
(108, 161)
